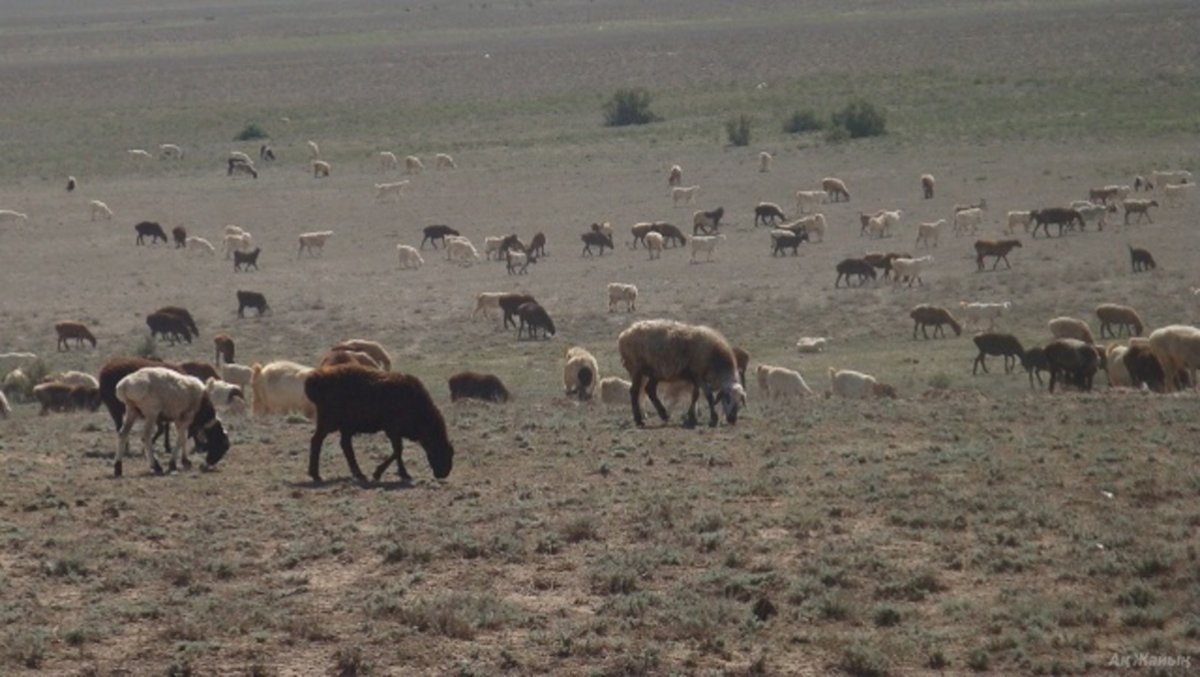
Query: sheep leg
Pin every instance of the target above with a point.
(980, 361)
(652, 393)
(348, 450)
(397, 449)
(634, 397)
(712, 408)
(314, 449)
(123, 442)
(689, 419)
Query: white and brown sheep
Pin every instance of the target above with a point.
(622, 293)
(1125, 319)
(313, 242)
(780, 382)
(444, 161)
(581, 373)
(856, 385)
(1072, 328)
(407, 256)
(151, 393)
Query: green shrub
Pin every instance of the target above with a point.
(629, 106)
(251, 132)
(861, 118)
(738, 130)
(802, 121)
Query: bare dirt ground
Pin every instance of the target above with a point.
(973, 524)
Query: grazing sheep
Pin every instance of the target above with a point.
(1062, 217)
(251, 299)
(100, 209)
(814, 225)
(1139, 207)
(149, 229)
(509, 304)
(71, 183)
(227, 396)
(244, 260)
(517, 263)
(614, 390)
(407, 256)
(856, 385)
(537, 245)
(618, 292)
(929, 232)
(313, 242)
(224, 349)
(926, 315)
(858, 267)
(74, 378)
(707, 222)
(810, 200)
(236, 242)
(835, 189)
(968, 219)
(372, 348)
(1142, 183)
(764, 162)
(675, 176)
(237, 374)
(239, 156)
(683, 195)
(1073, 362)
(782, 239)
(73, 330)
(1174, 195)
(595, 239)
(153, 392)
(171, 327)
(927, 183)
(665, 350)
(236, 166)
(1177, 348)
(779, 382)
(742, 358)
(910, 269)
(387, 160)
(1034, 363)
(881, 223)
(1141, 260)
(1069, 327)
(654, 244)
(639, 231)
(486, 301)
(321, 169)
(581, 372)
(179, 235)
(1105, 195)
(491, 245)
(314, 151)
(992, 343)
(706, 244)
(1144, 368)
(976, 312)
(534, 316)
(443, 161)
(998, 249)
(811, 344)
(437, 232)
(413, 164)
(64, 397)
(1118, 373)
(768, 213)
(354, 400)
(475, 386)
(389, 191)
(1024, 219)
(8, 215)
(1125, 318)
(16, 382)
(200, 245)
(169, 151)
(278, 388)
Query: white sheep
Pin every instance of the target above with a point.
(911, 269)
(279, 389)
(975, 312)
(857, 385)
(1069, 327)
(237, 243)
(968, 219)
(1118, 373)
(764, 162)
(779, 382)
(929, 232)
(1022, 218)
(491, 245)
(1174, 195)
(321, 169)
(835, 189)
(75, 378)
(655, 244)
(461, 250)
(618, 292)
(100, 209)
(413, 164)
(237, 374)
(443, 161)
(614, 390)
(879, 225)
(138, 154)
(169, 151)
(581, 373)
(810, 199)
(313, 242)
(152, 393)
(387, 160)
(231, 229)
(10, 361)
(389, 191)
(1092, 213)
(813, 225)
(239, 157)
(408, 257)
(199, 245)
(9, 215)
(518, 262)
(811, 344)
(1177, 347)
(705, 244)
(1161, 178)
(487, 301)
(314, 151)
(228, 396)
(684, 195)
(16, 381)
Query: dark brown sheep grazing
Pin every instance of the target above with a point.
(509, 303)
(1057, 216)
(251, 299)
(351, 400)
(781, 242)
(1141, 260)
(997, 249)
(225, 348)
(171, 328)
(925, 315)
(201, 370)
(435, 233)
(244, 260)
(73, 330)
(476, 386)
(179, 234)
(183, 315)
(768, 213)
(1144, 368)
(596, 239)
(1034, 362)
(991, 343)
(149, 229)
(63, 398)
(671, 233)
(537, 246)
(1073, 362)
(857, 267)
(535, 317)
(639, 232)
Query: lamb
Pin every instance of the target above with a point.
(437, 232)
(764, 162)
(992, 343)
(847, 267)
(73, 330)
(926, 315)
(153, 392)
(675, 176)
(707, 222)
(236, 242)
(390, 191)
(149, 229)
(1073, 362)
(1124, 317)
(372, 348)
(100, 209)
(1141, 260)
(313, 242)
(596, 239)
(614, 390)
(999, 249)
(1069, 327)
(856, 385)
(444, 161)
(237, 374)
(1177, 348)
(475, 386)
(171, 327)
(1024, 219)
(63, 397)
(518, 262)
(1059, 216)
(413, 164)
(9, 215)
(927, 183)
(929, 232)
(236, 166)
(782, 239)
(654, 244)
(321, 168)
(968, 219)
(811, 344)
(767, 213)
(911, 269)
(199, 245)
(835, 189)
(666, 350)
(534, 316)
(510, 303)
(1174, 195)
(354, 400)
(1034, 362)
(1118, 373)
(387, 160)
(779, 382)
(706, 244)
(1139, 207)
(461, 250)
(976, 312)
(278, 388)
(407, 256)
(618, 292)
(809, 199)
(243, 260)
(251, 299)
(581, 372)
(683, 195)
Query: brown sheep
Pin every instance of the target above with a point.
(991, 343)
(251, 299)
(335, 357)
(1073, 362)
(1125, 318)
(998, 249)
(925, 315)
(858, 267)
(768, 213)
(1141, 260)
(436, 232)
(835, 189)
(509, 303)
(1058, 216)
(149, 229)
(1139, 207)
(534, 316)
(225, 348)
(476, 386)
(55, 396)
(179, 234)
(927, 186)
(73, 330)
